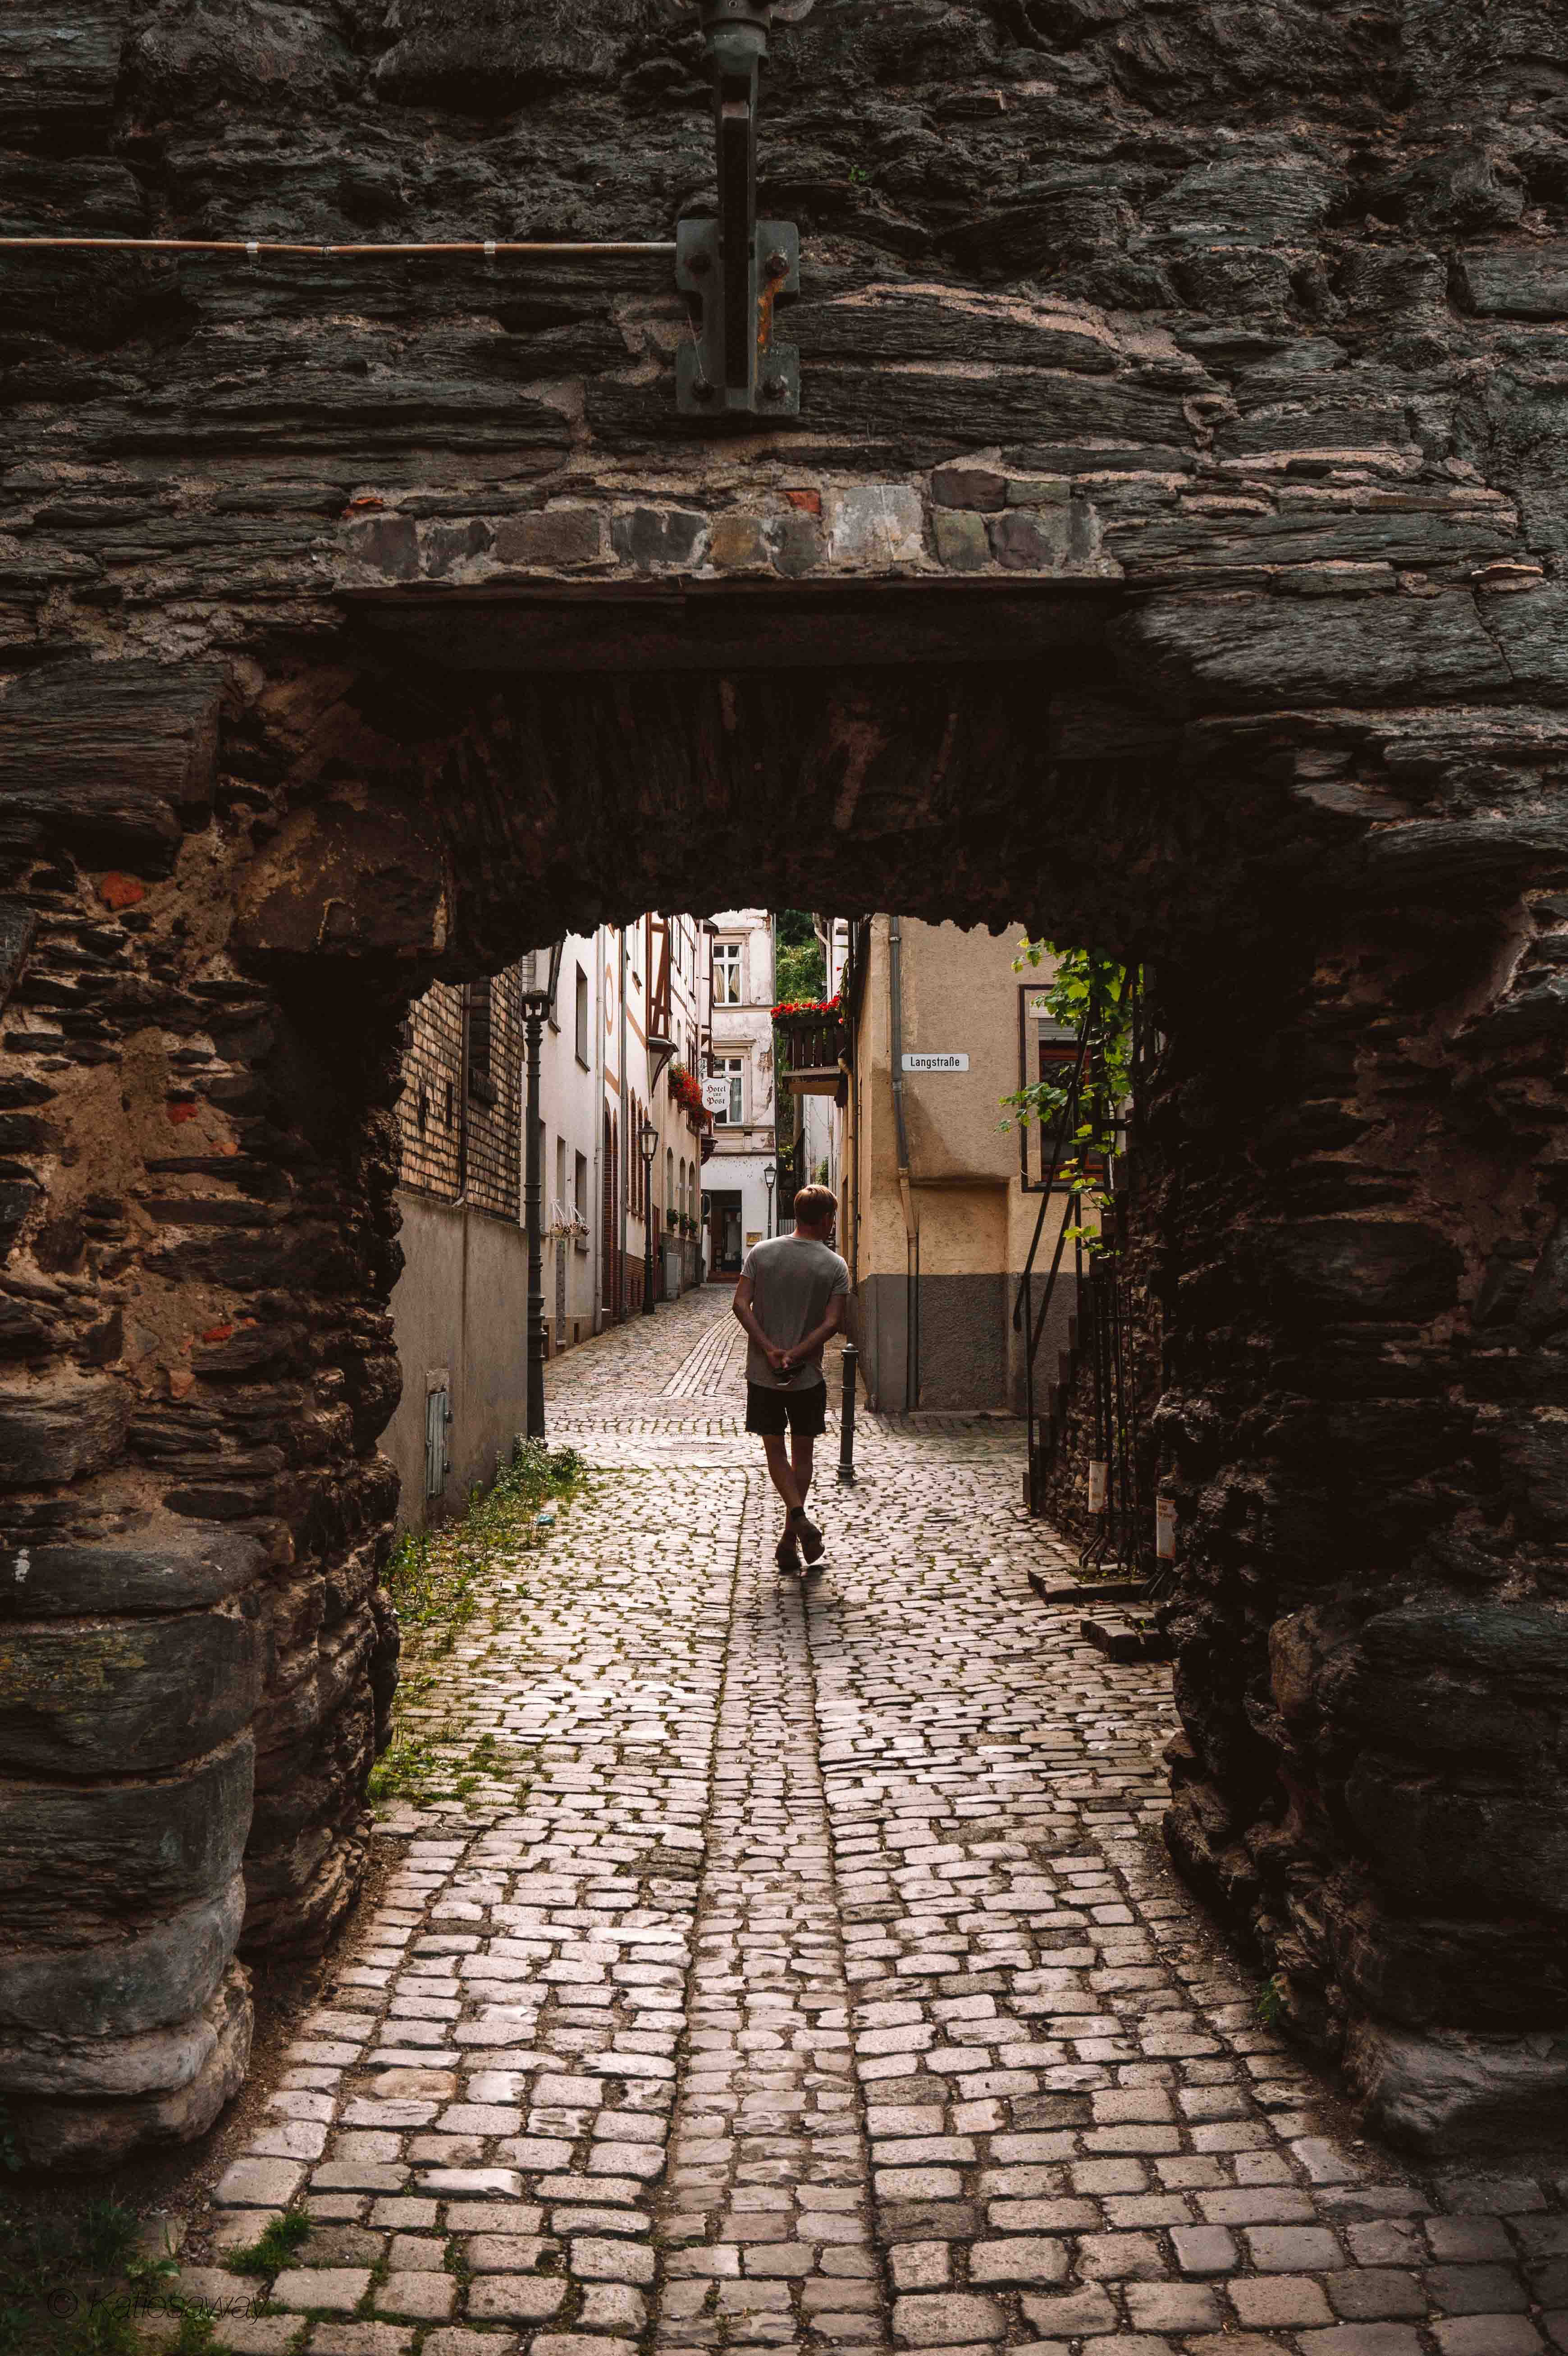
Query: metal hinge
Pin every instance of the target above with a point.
(736, 267)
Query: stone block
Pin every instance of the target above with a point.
(738, 543)
(1020, 2258)
(424, 2297)
(1204, 2250)
(443, 547)
(388, 544)
(594, 2260)
(1527, 281)
(797, 545)
(120, 1988)
(651, 537)
(1038, 490)
(981, 488)
(60, 1427)
(363, 2339)
(947, 2319)
(259, 2335)
(1072, 2315)
(333, 2288)
(128, 1697)
(259, 2183)
(1027, 540)
(1279, 2302)
(178, 1568)
(1371, 2294)
(962, 541)
(1471, 2335)
(1433, 2090)
(201, 2063)
(515, 2298)
(551, 540)
(875, 526)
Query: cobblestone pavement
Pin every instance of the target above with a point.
(802, 1969)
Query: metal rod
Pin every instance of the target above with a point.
(648, 1309)
(847, 1417)
(531, 1192)
(491, 248)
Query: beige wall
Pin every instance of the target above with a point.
(459, 1309)
(961, 995)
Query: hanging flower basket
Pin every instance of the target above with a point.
(688, 1093)
(811, 1033)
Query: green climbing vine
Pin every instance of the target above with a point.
(1084, 981)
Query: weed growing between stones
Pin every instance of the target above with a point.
(269, 2253)
(435, 1580)
(84, 2285)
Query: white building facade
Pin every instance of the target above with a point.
(740, 1206)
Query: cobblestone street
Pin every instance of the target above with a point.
(804, 1967)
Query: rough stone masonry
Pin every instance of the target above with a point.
(1170, 544)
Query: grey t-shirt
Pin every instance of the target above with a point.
(793, 1280)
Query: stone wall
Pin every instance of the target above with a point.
(1170, 544)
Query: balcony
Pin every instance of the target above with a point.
(811, 1042)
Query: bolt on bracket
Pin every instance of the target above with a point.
(737, 266)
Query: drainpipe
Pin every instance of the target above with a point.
(596, 1200)
(463, 1092)
(622, 1179)
(912, 1225)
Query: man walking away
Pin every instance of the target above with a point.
(791, 1302)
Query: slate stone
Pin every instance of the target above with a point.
(60, 1428)
(126, 1696)
(555, 537)
(962, 541)
(1360, 1268)
(648, 537)
(72, 1855)
(124, 1985)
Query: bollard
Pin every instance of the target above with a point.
(846, 1420)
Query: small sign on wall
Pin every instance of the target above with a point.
(928, 1062)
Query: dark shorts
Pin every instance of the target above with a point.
(772, 1413)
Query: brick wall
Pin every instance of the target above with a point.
(431, 1111)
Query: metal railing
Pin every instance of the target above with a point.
(1087, 1155)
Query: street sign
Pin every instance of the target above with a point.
(927, 1062)
(715, 1095)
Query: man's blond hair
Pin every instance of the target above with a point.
(814, 1205)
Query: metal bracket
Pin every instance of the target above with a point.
(737, 266)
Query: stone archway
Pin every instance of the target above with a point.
(1169, 543)
(235, 885)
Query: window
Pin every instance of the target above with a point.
(480, 1042)
(580, 1200)
(727, 973)
(581, 1028)
(558, 1208)
(669, 1202)
(730, 1068)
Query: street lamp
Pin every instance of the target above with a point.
(542, 978)
(649, 1139)
(769, 1179)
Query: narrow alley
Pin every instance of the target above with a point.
(805, 1968)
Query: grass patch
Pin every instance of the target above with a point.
(269, 2253)
(82, 2285)
(435, 1581)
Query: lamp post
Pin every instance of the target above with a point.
(649, 1139)
(541, 979)
(769, 1179)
